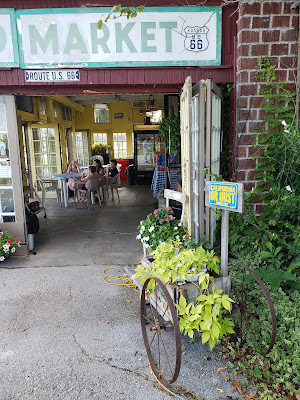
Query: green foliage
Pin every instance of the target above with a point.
(172, 124)
(128, 12)
(99, 148)
(174, 263)
(159, 227)
(8, 244)
(270, 243)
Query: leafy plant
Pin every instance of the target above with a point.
(159, 227)
(8, 244)
(170, 127)
(99, 148)
(129, 12)
(174, 263)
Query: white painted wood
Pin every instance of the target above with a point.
(177, 196)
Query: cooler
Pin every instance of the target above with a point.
(124, 162)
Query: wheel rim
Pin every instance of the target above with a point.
(162, 338)
(257, 319)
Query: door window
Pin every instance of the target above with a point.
(82, 148)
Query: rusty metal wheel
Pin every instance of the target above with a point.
(160, 331)
(256, 320)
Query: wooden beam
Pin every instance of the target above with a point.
(68, 102)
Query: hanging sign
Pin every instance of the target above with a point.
(58, 75)
(224, 195)
(8, 39)
(64, 38)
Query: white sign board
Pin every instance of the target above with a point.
(8, 39)
(61, 38)
(57, 75)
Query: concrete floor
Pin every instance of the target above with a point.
(66, 334)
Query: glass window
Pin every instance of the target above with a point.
(82, 150)
(42, 106)
(100, 138)
(120, 145)
(44, 151)
(101, 115)
(54, 104)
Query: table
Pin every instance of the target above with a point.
(64, 184)
(159, 180)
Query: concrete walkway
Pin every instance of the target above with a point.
(66, 334)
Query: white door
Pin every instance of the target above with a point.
(200, 115)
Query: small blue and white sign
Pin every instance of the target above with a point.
(223, 195)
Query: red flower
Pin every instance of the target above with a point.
(9, 242)
(17, 239)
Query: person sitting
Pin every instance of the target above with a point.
(72, 167)
(91, 181)
(99, 167)
(112, 171)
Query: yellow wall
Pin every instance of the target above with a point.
(132, 116)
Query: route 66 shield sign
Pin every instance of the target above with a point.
(196, 38)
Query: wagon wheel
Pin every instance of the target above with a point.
(160, 331)
(257, 319)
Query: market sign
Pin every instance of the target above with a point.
(160, 36)
(224, 195)
(8, 39)
(57, 75)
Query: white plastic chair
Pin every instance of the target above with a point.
(90, 193)
(48, 185)
(114, 183)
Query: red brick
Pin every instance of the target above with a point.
(279, 49)
(253, 76)
(248, 186)
(247, 63)
(281, 74)
(259, 208)
(252, 9)
(256, 101)
(259, 49)
(289, 35)
(246, 115)
(243, 102)
(243, 50)
(255, 126)
(287, 62)
(254, 152)
(248, 90)
(295, 22)
(281, 21)
(245, 163)
(248, 36)
(262, 115)
(246, 139)
(271, 8)
(255, 199)
(241, 176)
(270, 36)
(291, 75)
(241, 151)
(287, 9)
(261, 22)
(293, 49)
(254, 175)
(243, 23)
(243, 77)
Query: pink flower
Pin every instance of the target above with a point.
(9, 242)
(161, 221)
(168, 208)
(155, 211)
(1, 233)
(17, 239)
(167, 220)
(171, 217)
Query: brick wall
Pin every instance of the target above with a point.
(264, 29)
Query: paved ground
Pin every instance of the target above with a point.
(66, 334)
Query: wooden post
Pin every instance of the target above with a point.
(224, 243)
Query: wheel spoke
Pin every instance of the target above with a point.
(165, 333)
(253, 334)
(258, 321)
(170, 368)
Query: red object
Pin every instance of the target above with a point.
(124, 162)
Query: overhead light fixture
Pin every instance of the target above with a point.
(100, 106)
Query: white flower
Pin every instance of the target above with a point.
(175, 227)
(284, 123)
(146, 238)
(6, 247)
(19, 244)
(177, 238)
(13, 249)
(151, 228)
(288, 188)
(2, 258)
(142, 228)
(138, 237)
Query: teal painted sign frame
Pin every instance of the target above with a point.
(14, 38)
(105, 64)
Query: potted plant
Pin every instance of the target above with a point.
(176, 265)
(8, 244)
(160, 226)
